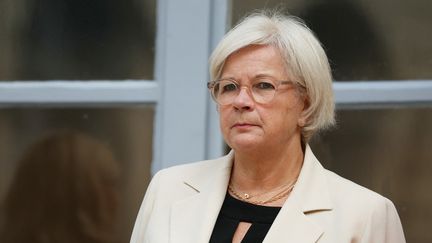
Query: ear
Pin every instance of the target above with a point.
(301, 122)
(306, 102)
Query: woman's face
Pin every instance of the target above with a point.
(247, 125)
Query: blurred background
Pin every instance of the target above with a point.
(96, 96)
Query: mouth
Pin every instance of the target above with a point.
(243, 125)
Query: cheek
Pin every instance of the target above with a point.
(287, 115)
(223, 120)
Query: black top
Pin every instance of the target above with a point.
(234, 211)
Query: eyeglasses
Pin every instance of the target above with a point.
(262, 89)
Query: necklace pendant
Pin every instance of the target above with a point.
(246, 196)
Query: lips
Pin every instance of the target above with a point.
(243, 125)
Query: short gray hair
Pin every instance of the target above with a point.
(304, 56)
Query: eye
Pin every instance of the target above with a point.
(264, 85)
(228, 87)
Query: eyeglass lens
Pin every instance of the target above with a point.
(262, 91)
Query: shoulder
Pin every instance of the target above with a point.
(186, 179)
(190, 170)
(341, 192)
(349, 195)
(167, 187)
(341, 187)
(374, 216)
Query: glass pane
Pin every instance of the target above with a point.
(364, 39)
(73, 174)
(388, 151)
(77, 39)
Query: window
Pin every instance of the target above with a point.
(77, 40)
(365, 40)
(111, 72)
(53, 156)
(78, 89)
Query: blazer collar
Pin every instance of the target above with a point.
(193, 218)
(310, 194)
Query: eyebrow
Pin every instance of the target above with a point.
(265, 76)
(261, 75)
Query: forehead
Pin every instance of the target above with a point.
(255, 60)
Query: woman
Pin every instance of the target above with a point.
(272, 86)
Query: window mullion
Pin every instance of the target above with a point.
(84, 92)
(383, 92)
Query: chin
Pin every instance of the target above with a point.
(244, 143)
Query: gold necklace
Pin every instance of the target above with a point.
(247, 197)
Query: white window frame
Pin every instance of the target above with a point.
(379, 93)
(186, 126)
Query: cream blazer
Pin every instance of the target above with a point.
(182, 204)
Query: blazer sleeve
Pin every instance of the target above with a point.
(384, 225)
(145, 211)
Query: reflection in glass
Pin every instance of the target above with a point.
(77, 39)
(355, 49)
(388, 151)
(72, 175)
(65, 189)
(365, 40)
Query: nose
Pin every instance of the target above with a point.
(244, 100)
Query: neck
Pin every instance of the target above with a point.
(265, 170)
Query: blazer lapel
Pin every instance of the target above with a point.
(193, 218)
(292, 225)
(309, 195)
